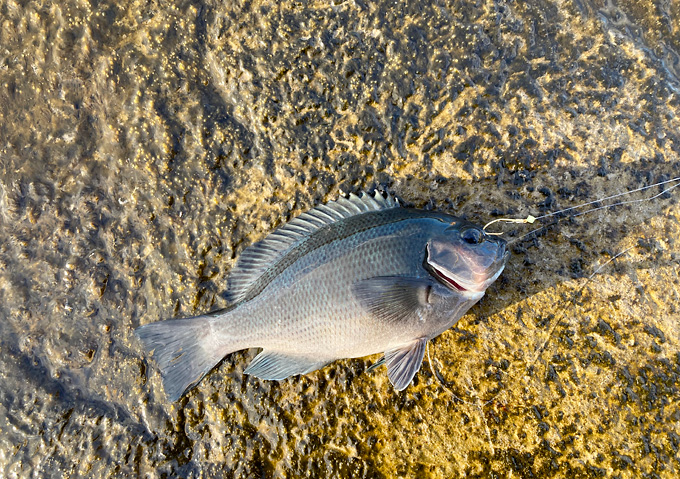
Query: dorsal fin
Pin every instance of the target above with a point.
(259, 257)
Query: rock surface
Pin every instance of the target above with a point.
(143, 145)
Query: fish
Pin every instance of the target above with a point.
(350, 278)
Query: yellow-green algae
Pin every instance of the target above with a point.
(144, 145)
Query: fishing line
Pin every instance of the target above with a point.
(562, 310)
(479, 404)
(530, 219)
(537, 352)
(442, 382)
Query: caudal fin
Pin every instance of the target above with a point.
(184, 349)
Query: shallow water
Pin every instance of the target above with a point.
(143, 146)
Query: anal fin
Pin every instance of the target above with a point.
(275, 366)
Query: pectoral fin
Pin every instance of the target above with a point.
(403, 363)
(276, 366)
(395, 298)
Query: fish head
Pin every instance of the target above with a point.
(464, 258)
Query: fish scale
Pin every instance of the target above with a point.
(347, 279)
(324, 293)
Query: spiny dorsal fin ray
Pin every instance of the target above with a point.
(259, 257)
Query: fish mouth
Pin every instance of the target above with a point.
(446, 280)
(474, 280)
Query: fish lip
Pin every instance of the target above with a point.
(447, 280)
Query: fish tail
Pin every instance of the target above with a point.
(185, 350)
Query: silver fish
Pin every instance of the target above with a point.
(347, 279)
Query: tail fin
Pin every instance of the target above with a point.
(184, 349)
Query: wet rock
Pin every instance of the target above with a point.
(143, 146)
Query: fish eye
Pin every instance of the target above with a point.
(472, 236)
